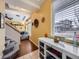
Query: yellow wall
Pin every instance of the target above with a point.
(45, 27)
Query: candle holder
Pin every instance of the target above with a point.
(46, 35)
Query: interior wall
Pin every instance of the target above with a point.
(45, 27)
(20, 28)
(2, 42)
(2, 5)
(2, 31)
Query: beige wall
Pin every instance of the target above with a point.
(2, 5)
(2, 41)
(45, 27)
(2, 31)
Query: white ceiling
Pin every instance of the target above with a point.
(17, 16)
(30, 5)
(22, 8)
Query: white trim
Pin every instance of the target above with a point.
(34, 43)
(0, 57)
(51, 19)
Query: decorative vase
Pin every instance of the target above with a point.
(46, 35)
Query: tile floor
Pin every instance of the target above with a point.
(33, 55)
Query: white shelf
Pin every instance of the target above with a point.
(66, 50)
(52, 54)
(41, 47)
(42, 54)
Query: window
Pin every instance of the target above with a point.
(66, 21)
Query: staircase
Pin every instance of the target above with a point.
(11, 47)
(11, 32)
(12, 41)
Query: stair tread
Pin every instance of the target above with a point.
(10, 54)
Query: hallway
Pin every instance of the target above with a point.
(26, 47)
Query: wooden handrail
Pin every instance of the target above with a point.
(12, 27)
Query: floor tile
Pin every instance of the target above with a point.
(33, 55)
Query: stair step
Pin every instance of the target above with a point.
(8, 51)
(10, 44)
(11, 47)
(7, 54)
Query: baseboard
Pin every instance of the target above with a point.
(34, 43)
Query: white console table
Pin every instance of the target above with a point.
(48, 49)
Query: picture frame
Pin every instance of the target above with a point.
(2, 17)
(36, 23)
(0, 20)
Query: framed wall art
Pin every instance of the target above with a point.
(36, 23)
